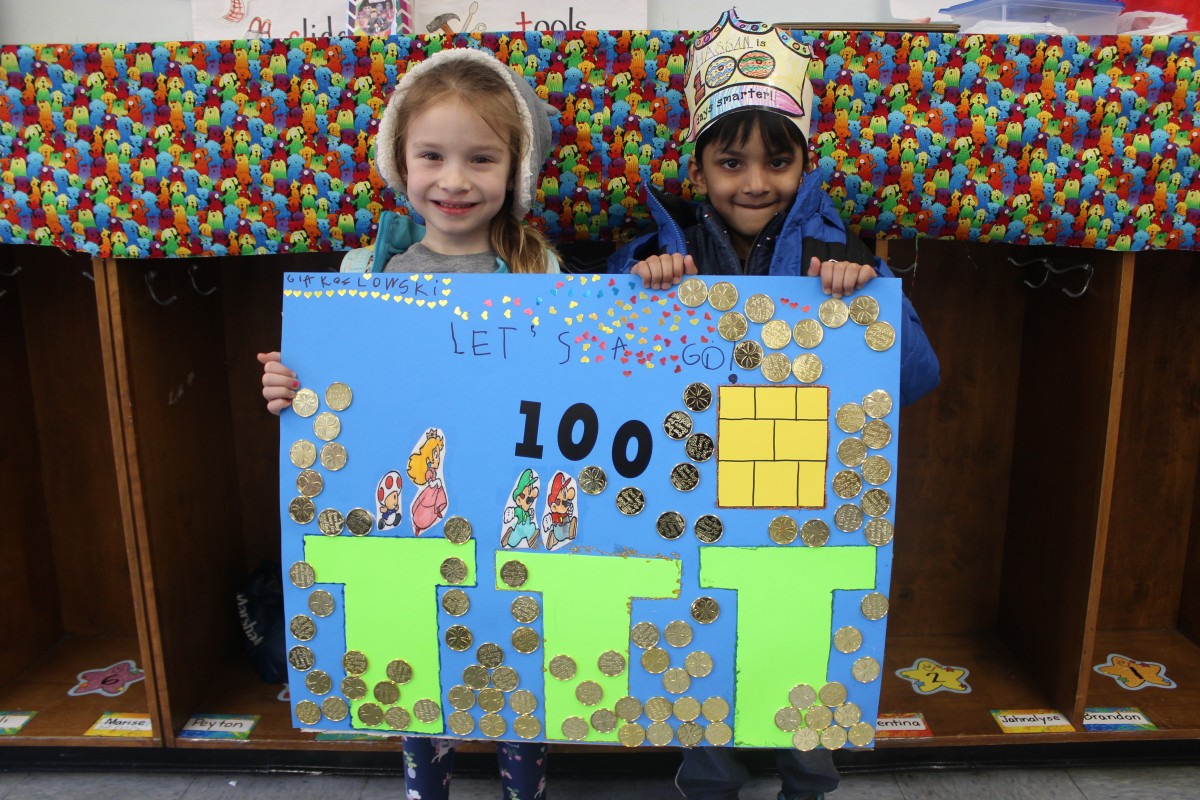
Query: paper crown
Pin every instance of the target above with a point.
(739, 65)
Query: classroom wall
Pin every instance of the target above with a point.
(24, 22)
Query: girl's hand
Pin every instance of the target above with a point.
(663, 272)
(279, 383)
(840, 278)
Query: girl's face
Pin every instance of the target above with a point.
(458, 173)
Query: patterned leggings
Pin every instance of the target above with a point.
(429, 766)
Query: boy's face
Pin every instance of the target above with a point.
(747, 185)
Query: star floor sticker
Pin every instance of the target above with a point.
(110, 681)
(929, 677)
(1135, 675)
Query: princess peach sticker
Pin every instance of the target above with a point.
(426, 468)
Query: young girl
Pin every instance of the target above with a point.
(463, 138)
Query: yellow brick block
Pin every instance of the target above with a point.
(775, 484)
(735, 483)
(802, 440)
(812, 402)
(775, 402)
(745, 439)
(811, 485)
(735, 402)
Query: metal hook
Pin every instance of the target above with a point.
(1048, 269)
(150, 276)
(192, 270)
(12, 274)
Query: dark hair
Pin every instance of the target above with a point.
(778, 132)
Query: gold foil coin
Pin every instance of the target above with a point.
(709, 528)
(748, 354)
(303, 627)
(847, 639)
(864, 310)
(327, 426)
(359, 521)
(686, 709)
(776, 334)
(848, 518)
(604, 720)
(878, 532)
(321, 603)
(305, 402)
(689, 734)
(333, 456)
(629, 708)
(876, 470)
(658, 709)
(523, 701)
(876, 434)
(460, 723)
(514, 574)
(685, 476)
(847, 714)
(655, 660)
(592, 480)
(802, 695)
(718, 734)
(611, 663)
(399, 671)
(318, 682)
(805, 740)
(697, 397)
(676, 680)
(807, 367)
(880, 336)
(370, 714)
(850, 418)
(505, 678)
(525, 640)
(677, 424)
(525, 609)
(355, 662)
(659, 734)
(692, 292)
(491, 700)
(833, 313)
(698, 664)
(476, 677)
(670, 525)
(631, 734)
(818, 718)
(760, 307)
(490, 655)
(678, 633)
(732, 326)
(723, 296)
(302, 575)
(814, 533)
(301, 510)
(308, 712)
(426, 710)
(715, 709)
(808, 333)
(492, 725)
(847, 484)
(631, 501)
(852, 452)
(456, 603)
(876, 502)
(562, 667)
(705, 610)
(832, 694)
(877, 404)
(354, 687)
(301, 658)
(527, 727)
(338, 396)
(788, 718)
(574, 728)
(833, 738)
(457, 529)
(865, 669)
(331, 522)
(461, 698)
(699, 447)
(303, 454)
(589, 693)
(782, 530)
(397, 718)
(645, 634)
(861, 734)
(334, 709)
(458, 638)
(776, 367)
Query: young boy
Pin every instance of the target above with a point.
(749, 97)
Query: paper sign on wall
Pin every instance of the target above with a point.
(473, 16)
(280, 19)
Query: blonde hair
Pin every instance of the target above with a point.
(418, 462)
(522, 247)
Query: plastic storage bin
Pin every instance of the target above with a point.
(1076, 16)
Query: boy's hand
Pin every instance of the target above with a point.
(840, 278)
(279, 383)
(663, 272)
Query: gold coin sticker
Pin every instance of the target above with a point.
(426, 710)
(611, 663)
(458, 638)
(310, 483)
(814, 533)
(732, 326)
(776, 334)
(604, 720)
(659, 734)
(476, 677)
(833, 313)
(308, 712)
(303, 454)
(877, 404)
(457, 529)
(760, 307)
(589, 693)
(491, 699)
(802, 695)
(523, 701)
(527, 727)
(852, 452)
(705, 610)
(715, 709)
(327, 426)
(818, 718)
(454, 570)
(321, 603)
(359, 521)
(631, 501)
(677, 424)
(676, 680)
(848, 518)
(685, 476)
(876, 470)
(782, 530)
(631, 734)
(748, 354)
(490, 655)
(865, 669)
(355, 662)
(592, 480)
(709, 528)
(505, 678)
(525, 640)
(574, 728)
(629, 708)
(861, 734)
(456, 603)
(301, 658)
(562, 667)
(461, 723)
(658, 709)
(333, 456)
(699, 447)
(686, 709)
(678, 633)
(718, 734)
(461, 698)
(697, 396)
(302, 575)
(492, 725)
(776, 367)
(847, 714)
(878, 532)
(807, 367)
(879, 336)
(318, 682)
(847, 639)
(808, 333)
(847, 484)
(833, 738)
(644, 634)
(877, 434)
(805, 740)
(331, 522)
(788, 718)
(399, 671)
(525, 609)
(655, 660)
(698, 664)
(303, 627)
(397, 718)
(689, 734)
(305, 402)
(302, 510)
(723, 296)
(514, 574)
(874, 606)
(692, 292)
(386, 692)
(670, 525)
(850, 418)
(876, 502)
(334, 709)
(338, 396)
(864, 310)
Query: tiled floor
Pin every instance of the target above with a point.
(1092, 783)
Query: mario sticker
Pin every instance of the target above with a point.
(520, 526)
